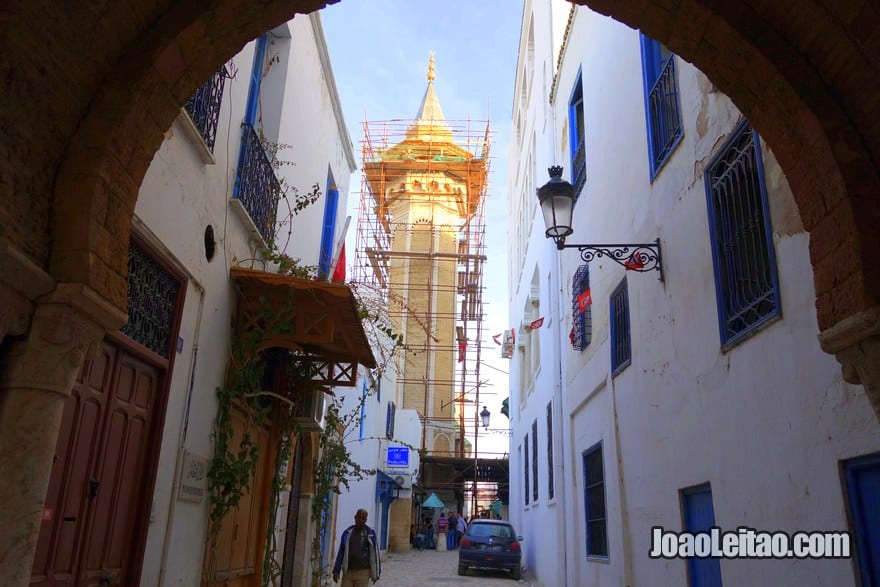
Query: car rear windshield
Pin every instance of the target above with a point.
(494, 530)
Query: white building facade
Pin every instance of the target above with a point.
(698, 400)
(270, 117)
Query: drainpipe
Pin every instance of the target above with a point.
(181, 440)
(624, 513)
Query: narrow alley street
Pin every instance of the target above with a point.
(440, 569)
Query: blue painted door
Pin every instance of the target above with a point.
(863, 487)
(699, 516)
(383, 540)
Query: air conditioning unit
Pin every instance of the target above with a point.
(405, 481)
(308, 409)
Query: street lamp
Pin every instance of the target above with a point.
(484, 416)
(557, 198)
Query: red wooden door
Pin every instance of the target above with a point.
(96, 501)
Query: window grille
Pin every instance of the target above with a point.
(535, 461)
(661, 102)
(745, 266)
(621, 351)
(152, 299)
(526, 467)
(581, 320)
(594, 502)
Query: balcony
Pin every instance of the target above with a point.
(204, 107)
(256, 186)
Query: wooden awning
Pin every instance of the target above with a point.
(315, 318)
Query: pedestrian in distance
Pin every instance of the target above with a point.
(358, 556)
(429, 533)
(462, 527)
(442, 526)
(453, 530)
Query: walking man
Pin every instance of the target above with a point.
(358, 556)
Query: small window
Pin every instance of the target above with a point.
(746, 284)
(577, 132)
(662, 110)
(389, 420)
(581, 309)
(535, 461)
(621, 351)
(526, 467)
(594, 502)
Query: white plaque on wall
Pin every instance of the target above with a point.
(193, 478)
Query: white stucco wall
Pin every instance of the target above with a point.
(766, 422)
(534, 380)
(180, 196)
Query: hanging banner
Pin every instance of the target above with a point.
(584, 301)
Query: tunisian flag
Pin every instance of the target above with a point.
(339, 272)
(537, 324)
(584, 301)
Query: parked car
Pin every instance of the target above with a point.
(490, 544)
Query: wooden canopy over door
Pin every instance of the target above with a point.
(319, 324)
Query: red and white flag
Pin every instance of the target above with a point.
(496, 338)
(462, 347)
(537, 324)
(584, 301)
(339, 271)
(634, 263)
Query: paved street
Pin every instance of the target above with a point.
(439, 569)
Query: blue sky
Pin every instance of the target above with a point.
(379, 50)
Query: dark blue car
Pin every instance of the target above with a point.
(490, 544)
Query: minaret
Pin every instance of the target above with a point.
(427, 187)
(420, 232)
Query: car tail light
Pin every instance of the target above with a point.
(514, 546)
(465, 543)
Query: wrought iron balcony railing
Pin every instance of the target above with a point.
(256, 185)
(204, 106)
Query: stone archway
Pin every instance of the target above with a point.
(88, 94)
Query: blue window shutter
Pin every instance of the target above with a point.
(577, 135)
(699, 516)
(250, 114)
(862, 477)
(328, 231)
(662, 110)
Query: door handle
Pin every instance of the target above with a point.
(94, 484)
(107, 579)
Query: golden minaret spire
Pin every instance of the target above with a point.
(431, 75)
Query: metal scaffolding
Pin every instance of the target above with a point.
(420, 246)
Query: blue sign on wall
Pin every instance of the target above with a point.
(398, 456)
